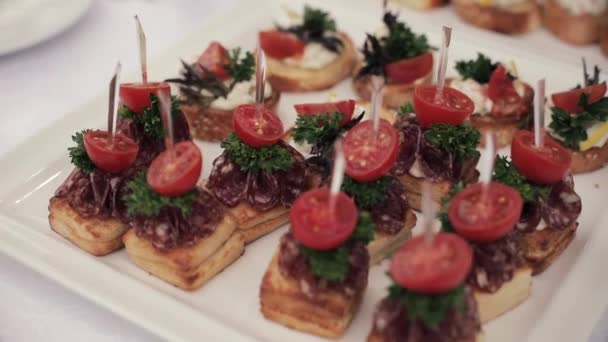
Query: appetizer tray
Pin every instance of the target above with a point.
(564, 304)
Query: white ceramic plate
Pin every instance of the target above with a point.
(24, 23)
(227, 308)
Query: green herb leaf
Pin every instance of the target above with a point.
(268, 158)
(430, 310)
(151, 118)
(200, 88)
(479, 69)
(571, 130)
(316, 19)
(406, 108)
(314, 28)
(78, 154)
(142, 200)
(402, 42)
(460, 140)
(366, 194)
(364, 231)
(506, 173)
(315, 129)
(240, 69)
(590, 79)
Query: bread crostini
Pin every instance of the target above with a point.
(503, 16)
(575, 22)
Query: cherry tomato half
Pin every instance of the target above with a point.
(501, 86)
(214, 58)
(346, 107)
(485, 219)
(257, 130)
(568, 100)
(315, 225)
(451, 108)
(136, 96)
(435, 268)
(173, 175)
(280, 45)
(545, 165)
(369, 155)
(109, 156)
(411, 69)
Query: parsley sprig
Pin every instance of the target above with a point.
(430, 310)
(334, 265)
(151, 118)
(143, 200)
(366, 194)
(460, 140)
(406, 108)
(315, 25)
(268, 158)
(506, 173)
(479, 69)
(240, 69)
(78, 154)
(571, 130)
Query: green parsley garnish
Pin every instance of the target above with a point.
(366, 194)
(268, 158)
(314, 28)
(334, 265)
(317, 129)
(316, 19)
(479, 69)
(571, 130)
(142, 200)
(461, 140)
(78, 154)
(430, 310)
(151, 118)
(406, 108)
(506, 173)
(240, 69)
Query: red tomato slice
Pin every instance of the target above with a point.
(546, 165)
(257, 130)
(411, 69)
(501, 86)
(370, 155)
(110, 157)
(136, 96)
(316, 226)
(568, 100)
(435, 268)
(451, 108)
(346, 107)
(175, 175)
(280, 45)
(214, 58)
(485, 219)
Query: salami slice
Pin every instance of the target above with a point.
(435, 163)
(562, 207)
(390, 215)
(263, 190)
(292, 181)
(88, 195)
(530, 217)
(409, 137)
(227, 181)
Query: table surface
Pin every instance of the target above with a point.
(40, 84)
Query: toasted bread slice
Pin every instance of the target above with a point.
(291, 78)
(542, 247)
(94, 235)
(574, 29)
(413, 188)
(253, 224)
(503, 130)
(521, 18)
(394, 94)
(384, 245)
(421, 4)
(188, 267)
(212, 124)
(327, 314)
(510, 295)
(589, 160)
(381, 338)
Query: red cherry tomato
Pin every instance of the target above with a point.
(545, 165)
(568, 100)
(451, 108)
(110, 157)
(214, 58)
(316, 226)
(370, 155)
(257, 130)
(501, 86)
(136, 96)
(346, 107)
(435, 268)
(280, 44)
(485, 219)
(175, 175)
(411, 69)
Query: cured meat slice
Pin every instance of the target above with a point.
(562, 207)
(435, 163)
(409, 137)
(390, 215)
(530, 217)
(263, 192)
(227, 181)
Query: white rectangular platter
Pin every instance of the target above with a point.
(227, 308)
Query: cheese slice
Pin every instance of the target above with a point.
(594, 135)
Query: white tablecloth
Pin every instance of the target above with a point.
(37, 86)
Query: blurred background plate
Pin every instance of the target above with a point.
(24, 23)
